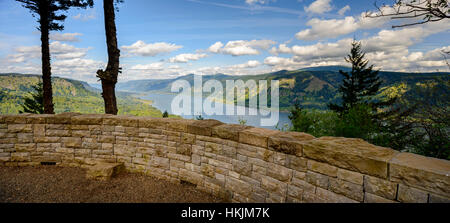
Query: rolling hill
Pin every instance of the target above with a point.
(68, 96)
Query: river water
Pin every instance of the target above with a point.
(163, 102)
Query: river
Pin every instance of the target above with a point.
(163, 102)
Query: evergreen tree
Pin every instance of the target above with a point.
(49, 20)
(360, 85)
(165, 114)
(35, 102)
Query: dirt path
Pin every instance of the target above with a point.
(68, 185)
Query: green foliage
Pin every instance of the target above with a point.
(356, 123)
(416, 120)
(69, 96)
(242, 121)
(51, 8)
(315, 122)
(414, 124)
(34, 103)
(358, 86)
(200, 117)
(431, 118)
(165, 114)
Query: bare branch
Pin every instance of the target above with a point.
(426, 11)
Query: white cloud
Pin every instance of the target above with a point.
(279, 61)
(249, 68)
(387, 50)
(140, 48)
(156, 70)
(343, 10)
(327, 28)
(90, 15)
(184, 58)
(332, 28)
(241, 47)
(65, 37)
(253, 2)
(249, 64)
(319, 7)
(58, 50)
(67, 61)
(215, 48)
(149, 67)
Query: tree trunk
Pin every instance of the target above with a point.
(46, 69)
(109, 76)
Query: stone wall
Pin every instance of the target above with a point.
(238, 163)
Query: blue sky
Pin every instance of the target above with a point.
(169, 38)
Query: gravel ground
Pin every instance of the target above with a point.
(69, 185)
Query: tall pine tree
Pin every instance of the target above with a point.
(359, 85)
(109, 76)
(49, 20)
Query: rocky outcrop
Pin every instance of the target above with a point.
(235, 162)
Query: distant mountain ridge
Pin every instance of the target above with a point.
(312, 87)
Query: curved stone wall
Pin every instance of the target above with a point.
(237, 163)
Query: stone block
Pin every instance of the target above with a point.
(208, 170)
(62, 118)
(243, 168)
(280, 173)
(58, 133)
(121, 120)
(27, 147)
(350, 176)
(91, 119)
(305, 186)
(434, 198)
(20, 128)
(256, 136)
(187, 138)
(317, 179)
(47, 139)
(350, 190)
(322, 168)
(411, 195)
(351, 154)
(297, 163)
(372, 198)
(191, 177)
(213, 148)
(179, 125)
(39, 130)
(203, 127)
(295, 192)
(228, 131)
(274, 186)
(331, 197)
(380, 187)
(421, 172)
(20, 157)
(104, 171)
(184, 149)
(285, 144)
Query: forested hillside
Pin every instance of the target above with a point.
(313, 88)
(69, 96)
